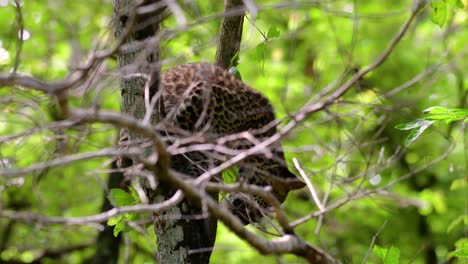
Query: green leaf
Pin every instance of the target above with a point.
(118, 222)
(230, 175)
(273, 32)
(449, 115)
(393, 256)
(115, 220)
(380, 252)
(235, 72)
(435, 110)
(235, 59)
(462, 220)
(442, 110)
(134, 195)
(458, 184)
(417, 126)
(460, 111)
(460, 253)
(121, 197)
(439, 118)
(388, 256)
(411, 125)
(439, 12)
(461, 249)
(456, 3)
(416, 133)
(433, 200)
(260, 50)
(119, 227)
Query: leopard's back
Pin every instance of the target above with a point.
(231, 106)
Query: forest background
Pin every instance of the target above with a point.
(387, 193)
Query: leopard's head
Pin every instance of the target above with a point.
(261, 171)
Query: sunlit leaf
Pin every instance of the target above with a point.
(458, 184)
(435, 110)
(235, 71)
(460, 253)
(411, 125)
(121, 197)
(434, 200)
(439, 12)
(393, 256)
(456, 3)
(273, 32)
(461, 221)
(235, 59)
(445, 114)
(134, 195)
(230, 175)
(114, 220)
(260, 50)
(379, 251)
(388, 256)
(119, 227)
(416, 132)
(461, 249)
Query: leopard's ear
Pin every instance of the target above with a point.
(291, 181)
(295, 183)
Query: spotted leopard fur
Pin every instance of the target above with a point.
(201, 97)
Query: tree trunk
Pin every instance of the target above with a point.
(230, 34)
(184, 234)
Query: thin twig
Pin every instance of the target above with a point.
(374, 238)
(310, 186)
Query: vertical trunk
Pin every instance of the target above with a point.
(184, 233)
(230, 34)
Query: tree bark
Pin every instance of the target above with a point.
(230, 34)
(184, 234)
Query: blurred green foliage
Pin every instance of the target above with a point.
(290, 53)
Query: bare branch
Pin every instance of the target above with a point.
(97, 218)
(371, 246)
(8, 173)
(310, 186)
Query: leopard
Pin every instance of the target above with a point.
(206, 99)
